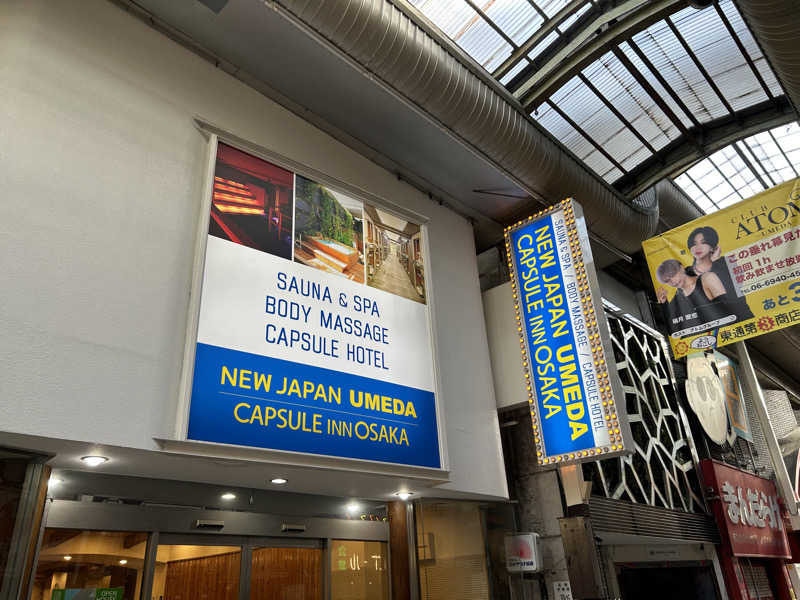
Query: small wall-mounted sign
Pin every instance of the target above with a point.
(522, 553)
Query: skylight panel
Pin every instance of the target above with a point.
(569, 21)
(622, 91)
(583, 148)
(551, 7)
(660, 89)
(588, 111)
(728, 176)
(451, 16)
(542, 46)
(712, 44)
(563, 131)
(514, 71)
(483, 43)
(516, 18)
(752, 48)
(467, 28)
(668, 56)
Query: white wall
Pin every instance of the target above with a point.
(101, 169)
(504, 350)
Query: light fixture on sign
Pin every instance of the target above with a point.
(228, 496)
(353, 507)
(404, 495)
(123, 562)
(279, 481)
(94, 460)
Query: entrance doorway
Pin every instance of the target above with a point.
(198, 567)
(114, 551)
(666, 581)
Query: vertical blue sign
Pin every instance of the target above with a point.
(568, 385)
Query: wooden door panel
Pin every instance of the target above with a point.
(286, 574)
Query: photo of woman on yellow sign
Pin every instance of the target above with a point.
(703, 243)
(730, 275)
(698, 302)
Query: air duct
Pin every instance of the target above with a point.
(385, 41)
(774, 25)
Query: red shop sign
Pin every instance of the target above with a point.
(747, 511)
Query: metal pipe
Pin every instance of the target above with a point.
(406, 57)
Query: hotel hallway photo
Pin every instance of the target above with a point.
(392, 277)
(394, 254)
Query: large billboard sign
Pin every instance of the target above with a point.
(313, 333)
(568, 360)
(731, 275)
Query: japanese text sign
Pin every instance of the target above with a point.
(747, 511)
(731, 275)
(564, 339)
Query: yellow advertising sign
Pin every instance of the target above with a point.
(731, 275)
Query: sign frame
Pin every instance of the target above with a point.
(179, 439)
(611, 394)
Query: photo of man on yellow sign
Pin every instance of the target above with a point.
(731, 275)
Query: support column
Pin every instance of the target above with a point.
(732, 574)
(760, 405)
(399, 551)
(24, 540)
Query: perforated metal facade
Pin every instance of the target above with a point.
(661, 471)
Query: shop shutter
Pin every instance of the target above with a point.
(757, 580)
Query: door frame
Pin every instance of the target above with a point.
(182, 525)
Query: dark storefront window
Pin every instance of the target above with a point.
(12, 479)
(77, 565)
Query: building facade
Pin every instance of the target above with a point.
(179, 229)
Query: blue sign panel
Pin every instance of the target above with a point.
(250, 400)
(568, 384)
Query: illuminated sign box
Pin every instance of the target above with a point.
(564, 339)
(312, 326)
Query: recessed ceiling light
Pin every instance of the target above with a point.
(353, 507)
(123, 562)
(279, 481)
(54, 481)
(67, 557)
(93, 461)
(404, 495)
(228, 496)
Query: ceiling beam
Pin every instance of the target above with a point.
(590, 43)
(703, 141)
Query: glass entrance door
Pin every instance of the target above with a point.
(140, 562)
(196, 572)
(278, 573)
